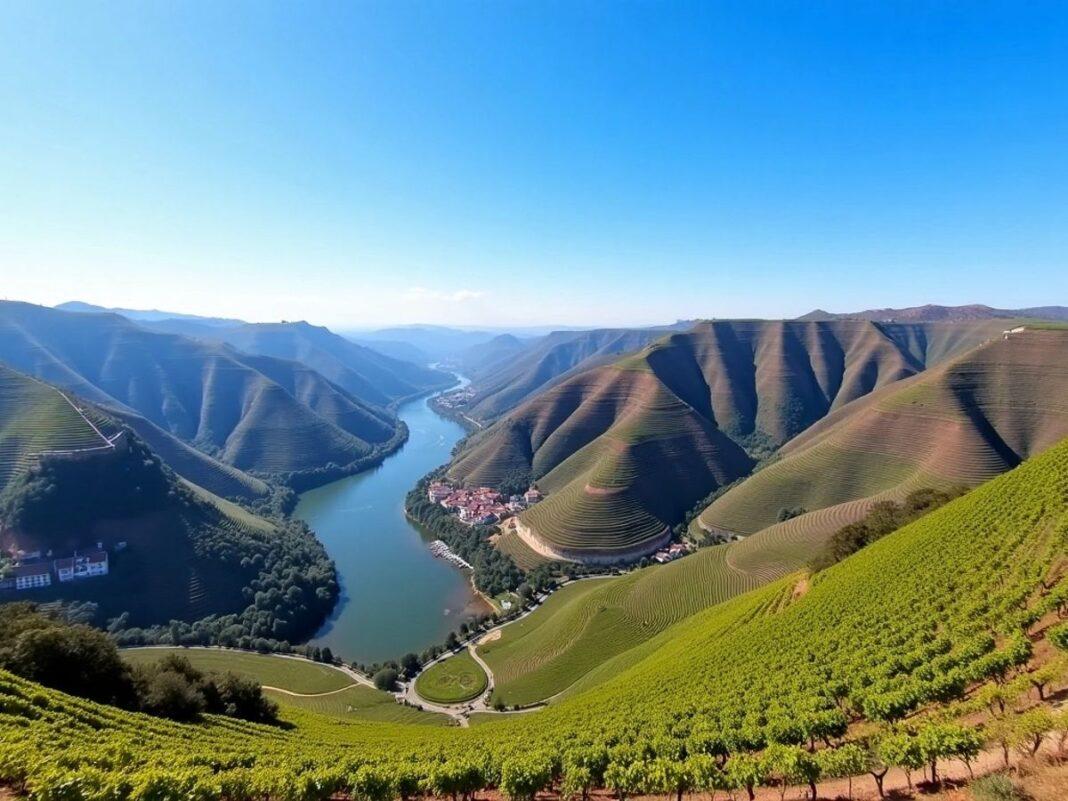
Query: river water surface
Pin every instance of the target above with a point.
(395, 596)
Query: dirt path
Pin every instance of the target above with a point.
(308, 695)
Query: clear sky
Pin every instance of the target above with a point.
(518, 163)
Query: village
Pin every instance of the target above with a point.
(481, 506)
(456, 400)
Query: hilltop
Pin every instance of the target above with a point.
(253, 413)
(931, 313)
(626, 449)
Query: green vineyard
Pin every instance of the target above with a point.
(908, 624)
(36, 418)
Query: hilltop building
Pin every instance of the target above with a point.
(79, 566)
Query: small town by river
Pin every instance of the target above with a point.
(395, 595)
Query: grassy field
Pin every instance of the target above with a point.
(452, 681)
(295, 675)
(322, 689)
(590, 630)
(360, 703)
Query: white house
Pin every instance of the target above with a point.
(85, 565)
(29, 577)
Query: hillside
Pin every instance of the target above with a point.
(961, 422)
(36, 418)
(371, 376)
(852, 652)
(931, 313)
(75, 480)
(502, 384)
(624, 450)
(253, 413)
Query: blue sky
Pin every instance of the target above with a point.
(508, 163)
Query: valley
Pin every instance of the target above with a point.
(395, 595)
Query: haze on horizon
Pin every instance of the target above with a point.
(521, 164)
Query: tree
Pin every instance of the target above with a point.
(625, 777)
(875, 763)
(1058, 635)
(790, 764)
(372, 783)
(846, 761)
(386, 679)
(410, 664)
(705, 774)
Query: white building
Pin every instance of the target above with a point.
(85, 565)
(30, 577)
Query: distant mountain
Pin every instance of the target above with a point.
(367, 372)
(625, 449)
(485, 356)
(438, 343)
(145, 314)
(934, 313)
(254, 413)
(369, 375)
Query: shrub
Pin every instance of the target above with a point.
(995, 787)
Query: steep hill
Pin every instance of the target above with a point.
(517, 373)
(625, 449)
(75, 480)
(251, 412)
(932, 313)
(961, 422)
(906, 627)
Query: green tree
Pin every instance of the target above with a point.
(386, 679)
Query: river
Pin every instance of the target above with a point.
(395, 596)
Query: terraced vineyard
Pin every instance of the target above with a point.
(35, 417)
(589, 630)
(625, 450)
(962, 422)
(900, 629)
